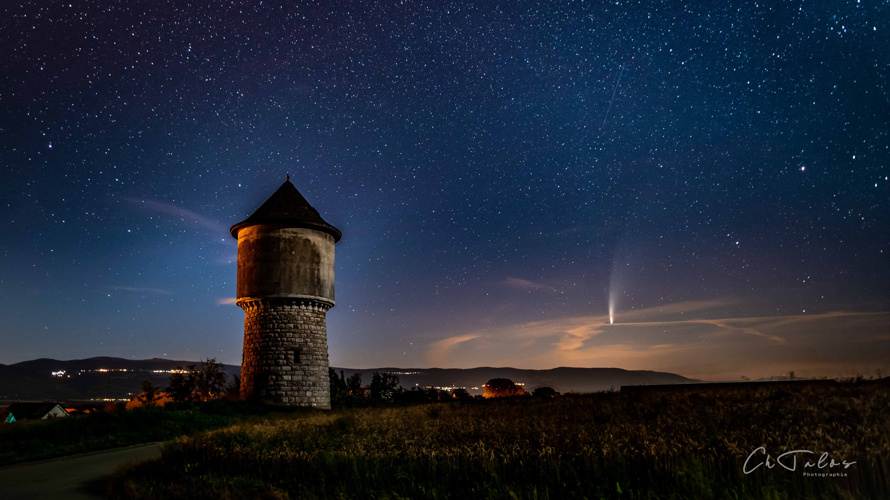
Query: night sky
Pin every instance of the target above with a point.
(507, 175)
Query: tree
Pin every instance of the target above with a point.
(210, 380)
(460, 393)
(501, 388)
(339, 391)
(182, 384)
(545, 392)
(233, 390)
(413, 395)
(354, 385)
(383, 386)
(202, 384)
(149, 394)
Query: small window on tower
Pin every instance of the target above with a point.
(296, 356)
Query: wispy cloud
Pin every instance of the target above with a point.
(667, 338)
(137, 289)
(227, 301)
(526, 284)
(176, 211)
(673, 310)
(740, 325)
(438, 351)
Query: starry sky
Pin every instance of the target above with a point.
(698, 187)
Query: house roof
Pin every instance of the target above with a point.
(31, 411)
(288, 207)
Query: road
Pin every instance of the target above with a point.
(72, 477)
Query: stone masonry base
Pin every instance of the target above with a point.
(285, 352)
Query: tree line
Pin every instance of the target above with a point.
(192, 383)
(384, 387)
(207, 382)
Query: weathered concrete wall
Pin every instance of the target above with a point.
(285, 352)
(277, 261)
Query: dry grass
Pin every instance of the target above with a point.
(650, 445)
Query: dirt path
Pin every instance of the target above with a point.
(72, 477)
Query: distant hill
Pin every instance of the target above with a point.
(83, 379)
(119, 378)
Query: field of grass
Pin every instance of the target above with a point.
(33, 440)
(645, 445)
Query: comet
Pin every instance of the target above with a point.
(615, 286)
(616, 283)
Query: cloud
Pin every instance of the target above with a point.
(176, 211)
(666, 338)
(227, 301)
(738, 324)
(526, 284)
(439, 350)
(137, 289)
(673, 310)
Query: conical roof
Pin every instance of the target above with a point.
(288, 207)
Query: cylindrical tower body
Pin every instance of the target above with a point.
(285, 286)
(280, 261)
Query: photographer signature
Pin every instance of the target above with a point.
(752, 463)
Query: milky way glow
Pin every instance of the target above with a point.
(740, 160)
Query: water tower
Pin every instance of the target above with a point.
(286, 286)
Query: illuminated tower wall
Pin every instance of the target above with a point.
(286, 286)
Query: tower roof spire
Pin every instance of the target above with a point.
(289, 208)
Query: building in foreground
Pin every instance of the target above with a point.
(285, 286)
(35, 411)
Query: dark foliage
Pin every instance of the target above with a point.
(354, 385)
(205, 383)
(501, 388)
(383, 386)
(210, 380)
(149, 394)
(339, 392)
(544, 392)
(419, 395)
(182, 384)
(460, 394)
(39, 439)
(233, 390)
(347, 392)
